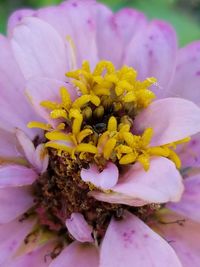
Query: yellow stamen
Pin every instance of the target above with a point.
(58, 113)
(88, 148)
(128, 159)
(112, 124)
(147, 135)
(108, 148)
(175, 158)
(65, 96)
(55, 135)
(49, 105)
(58, 146)
(76, 125)
(144, 161)
(40, 125)
(83, 134)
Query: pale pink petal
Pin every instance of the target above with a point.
(38, 157)
(160, 184)
(189, 205)
(12, 237)
(26, 145)
(12, 94)
(187, 76)
(39, 49)
(184, 236)
(16, 18)
(7, 145)
(16, 175)
(105, 179)
(42, 89)
(130, 242)
(79, 228)
(40, 257)
(75, 19)
(189, 152)
(129, 22)
(117, 198)
(41, 158)
(77, 255)
(14, 202)
(171, 119)
(153, 53)
(109, 41)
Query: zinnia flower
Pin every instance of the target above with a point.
(94, 126)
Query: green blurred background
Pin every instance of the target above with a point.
(183, 14)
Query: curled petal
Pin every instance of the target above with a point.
(160, 184)
(78, 228)
(105, 179)
(41, 159)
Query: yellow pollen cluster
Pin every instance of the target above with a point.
(97, 125)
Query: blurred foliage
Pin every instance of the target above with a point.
(183, 14)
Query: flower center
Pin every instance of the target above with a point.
(98, 125)
(96, 128)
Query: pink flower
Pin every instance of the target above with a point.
(96, 168)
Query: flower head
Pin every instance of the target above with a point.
(90, 147)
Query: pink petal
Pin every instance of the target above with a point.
(109, 41)
(12, 237)
(79, 228)
(184, 236)
(39, 258)
(130, 242)
(160, 184)
(12, 93)
(8, 145)
(145, 50)
(38, 157)
(42, 89)
(77, 255)
(172, 119)
(105, 179)
(26, 145)
(41, 159)
(129, 22)
(189, 204)
(39, 49)
(16, 18)
(187, 76)
(14, 202)
(77, 20)
(117, 198)
(189, 152)
(16, 175)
